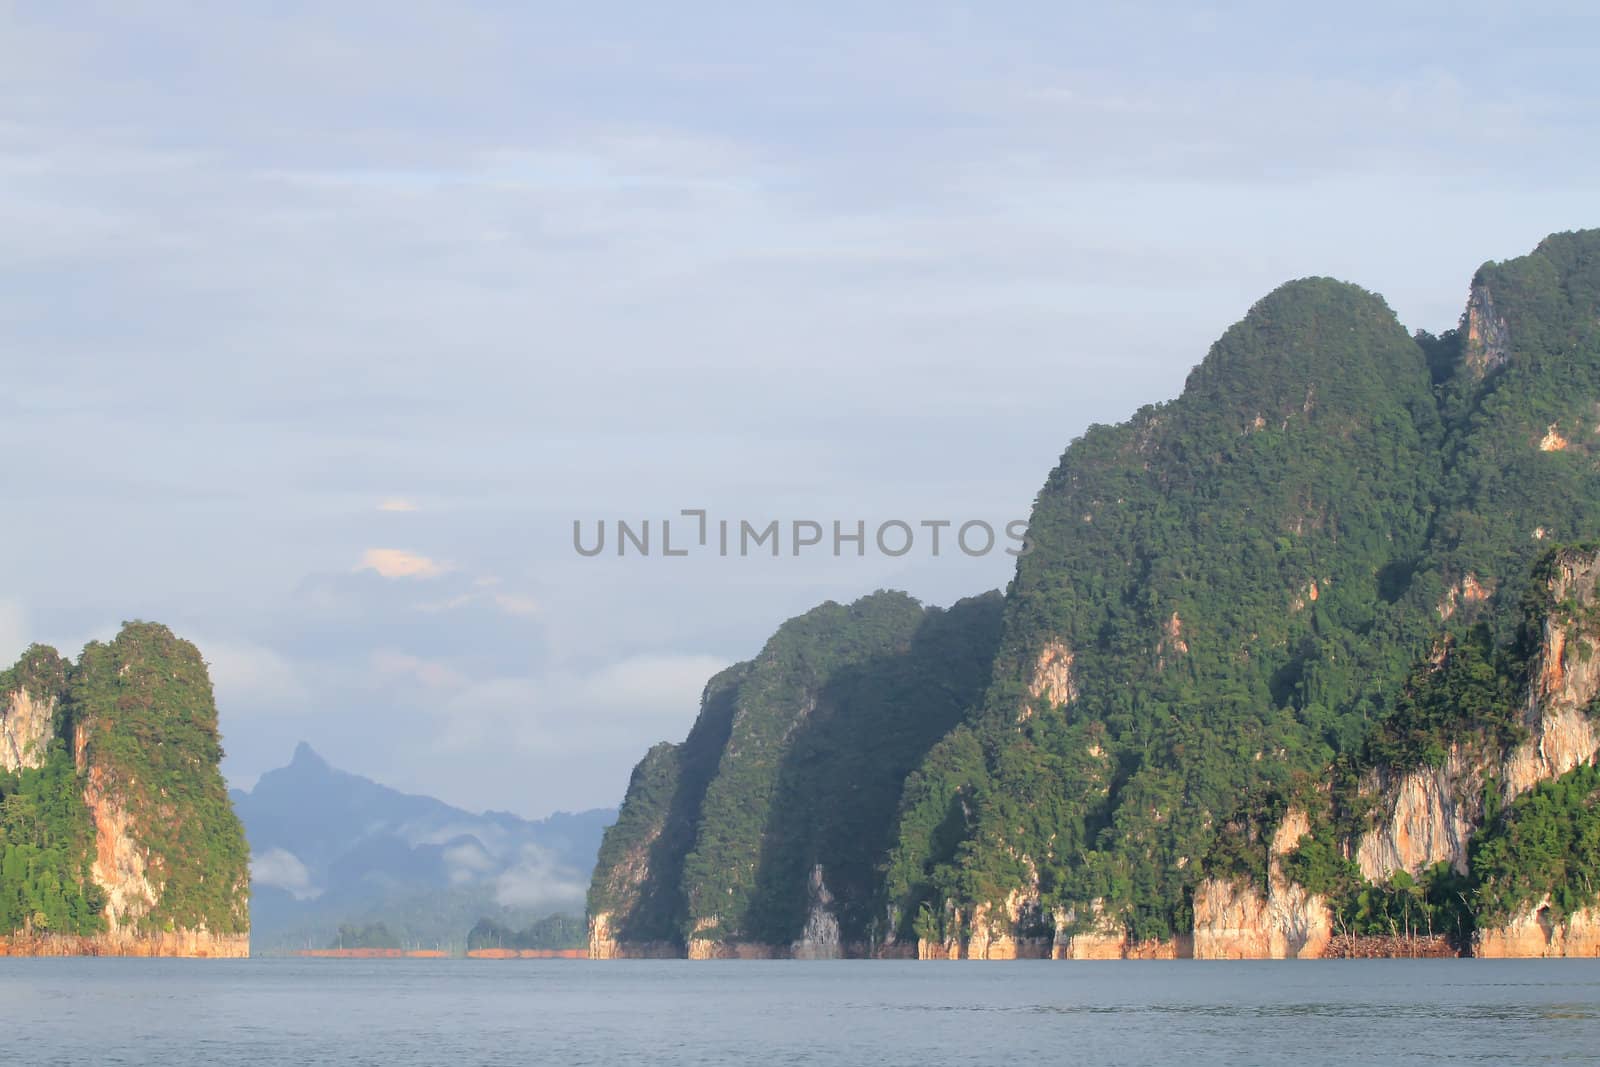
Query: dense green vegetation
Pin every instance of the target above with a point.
(146, 701)
(551, 932)
(46, 837)
(1544, 847)
(1322, 559)
(845, 768)
(638, 876)
(46, 850)
(1475, 690)
(143, 709)
(1231, 574)
(1541, 850)
(1529, 382)
(797, 760)
(1248, 576)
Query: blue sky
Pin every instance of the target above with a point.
(320, 324)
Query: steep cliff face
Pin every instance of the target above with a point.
(1487, 342)
(128, 845)
(1537, 934)
(120, 864)
(636, 897)
(1235, 920)
(1564, 677)
(30, 702)
(819, 940)
(764, 832)
(1429, 814)
(27, 722)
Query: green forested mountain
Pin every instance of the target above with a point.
(115, 823)
(796, 761)
(1224, 581)
(1317, 577)
(1245, 578)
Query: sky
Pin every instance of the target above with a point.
(321, 324)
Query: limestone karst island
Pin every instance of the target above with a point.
(1303, 663)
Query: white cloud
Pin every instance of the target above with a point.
(253, 679)
(396, 503)
(399, 563)
(466, 862)
(538, 882)
(282, 869)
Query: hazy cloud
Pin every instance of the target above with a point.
(431, 674)
(253, 679)
(398, 563)
(467, 862)
(538, 882)
(281, 869)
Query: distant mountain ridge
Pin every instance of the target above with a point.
(329, 847)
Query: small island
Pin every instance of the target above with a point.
(117, 837)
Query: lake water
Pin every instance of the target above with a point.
(399, 1013)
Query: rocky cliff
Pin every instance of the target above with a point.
(763, 833)
(119, 838)
(1537, 933)
(1234, 919)
(1297, 660)
(1428, 814)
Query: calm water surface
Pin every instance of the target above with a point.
(400, 1013)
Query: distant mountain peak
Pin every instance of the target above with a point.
(305, 756)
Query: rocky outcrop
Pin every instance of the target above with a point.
(1235, 920)
(820, 938)
(186, 944)
(121, 863)
(27, 722)
(995, 932)
(1536, 933)
(602, 943)
(1104, 937)
(605, 945)
(1469, 591)
(1053, 679)
(1564, 679)
(1488, 341)
(1430, 813)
